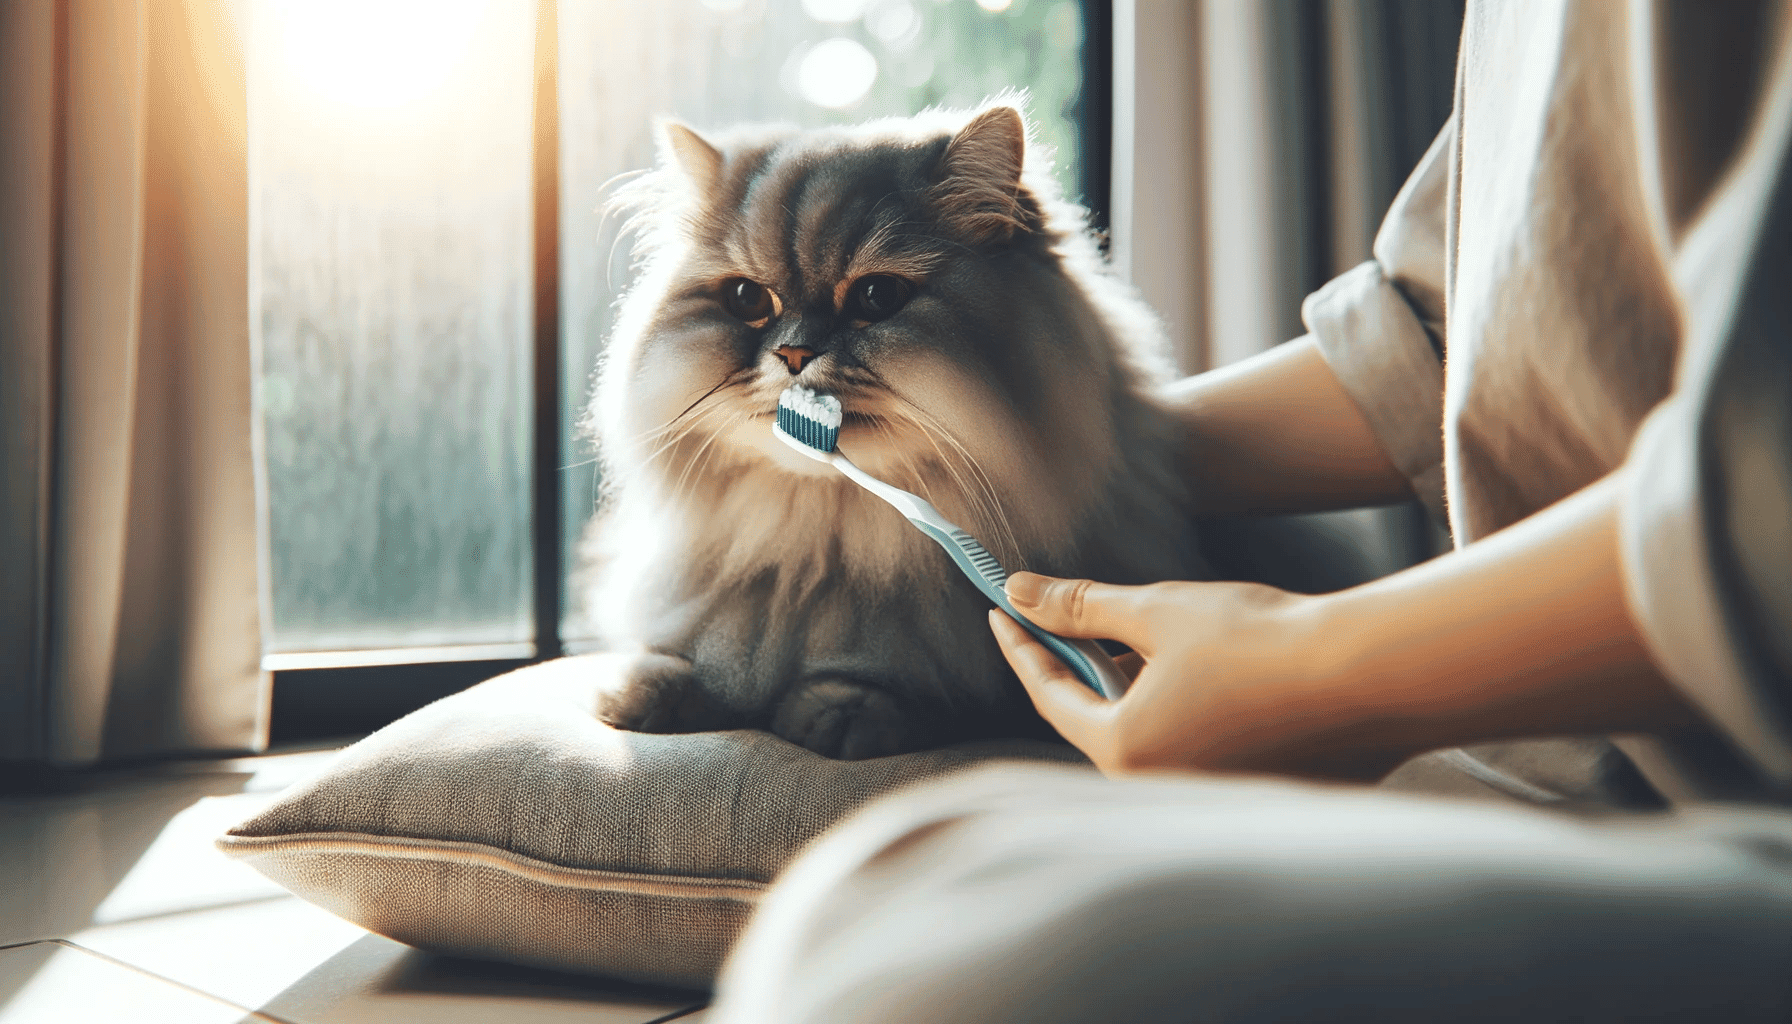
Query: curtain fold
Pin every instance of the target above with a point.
(1389, 84)
(132, 623)
(1257, 145)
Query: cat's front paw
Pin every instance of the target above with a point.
(847, 720)
(659, 693)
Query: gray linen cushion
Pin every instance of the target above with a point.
(507, 822)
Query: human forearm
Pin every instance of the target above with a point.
(1278, 433)
(1523, 633)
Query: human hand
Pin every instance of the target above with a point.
(1227, 677)
(1523, 633)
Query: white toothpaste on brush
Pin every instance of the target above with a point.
(823, 409)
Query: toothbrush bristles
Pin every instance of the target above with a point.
(810, 417)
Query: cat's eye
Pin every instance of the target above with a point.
(877, 297)
(748, 301)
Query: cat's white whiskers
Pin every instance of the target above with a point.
(983, 497)
(689, 463)
(696, 459)
(672, 426)
(982, 506)
(909, 464)
(699, 464)
(675, 428)
(988, 489)
(989, 505)
(985, 483)
(945, 462)
(680, 434)
(677, 423)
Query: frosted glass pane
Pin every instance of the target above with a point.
(717, 62)
(390, 187)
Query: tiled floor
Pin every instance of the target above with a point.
(114, 906)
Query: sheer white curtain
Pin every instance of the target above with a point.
(130, 619)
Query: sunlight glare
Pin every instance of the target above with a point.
(834, 12)
(836, 73)
(894, 23)
(373, 53)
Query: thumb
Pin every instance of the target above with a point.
(1082, 608)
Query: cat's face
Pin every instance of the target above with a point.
(904, 268)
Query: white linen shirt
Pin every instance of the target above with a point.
(1590, 269)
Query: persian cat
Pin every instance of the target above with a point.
(926, 272)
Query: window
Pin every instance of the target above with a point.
(390, 168)
(394, 150)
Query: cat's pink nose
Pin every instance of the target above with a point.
(795, 357)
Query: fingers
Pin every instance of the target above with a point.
(1082, 608)
(1058, 695)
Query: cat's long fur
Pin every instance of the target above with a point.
(769, 591)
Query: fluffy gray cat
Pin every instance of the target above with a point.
(925, 271)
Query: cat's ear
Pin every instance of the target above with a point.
(692, 153)
(979, 189)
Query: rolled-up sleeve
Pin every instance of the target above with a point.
(1706, 519)
(1380, 326)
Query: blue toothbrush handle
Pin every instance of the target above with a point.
(1084, 657)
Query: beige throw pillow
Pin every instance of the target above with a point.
(507, 822)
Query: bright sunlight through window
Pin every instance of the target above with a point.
(372, 53)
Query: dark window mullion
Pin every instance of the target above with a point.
(1095, 113)
(546, 501)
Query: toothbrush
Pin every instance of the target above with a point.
(809, 422)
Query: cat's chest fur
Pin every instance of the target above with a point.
(763, 580)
